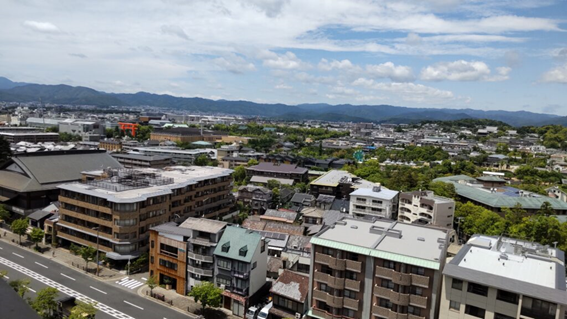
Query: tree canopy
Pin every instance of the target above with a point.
(19, 227)
(45, 303)
(207, 294)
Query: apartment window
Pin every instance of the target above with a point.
(457, 284)
(414, 311)
(507, 296)
(537, 308)
(477, 289)
(151, 259)
(167, 264)
(125, 207)
(454, 305)
(328, 251)
(225, 264)
(254, 264)
(349, 294)
(385, 283)
(324, 287)
(417, 270)
(475, 311)
(378, 210)
(326, 270)
(360, 207)
(389, 264)
(385, 303)
(348, 313)
(126, 222)
(153, 244)
(223, 281)
(167, 250)
(501, 316)
(416, 291)
(377, 202)
(350, 275)
(352, 256)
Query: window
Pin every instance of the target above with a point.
(324, 287)
(475, 311)
(417, 270)
(501, 316)
(454, 305)
(254, 264)
(327, 270)
(507, 296)
(387, 284)
(151, 259)
(385, 303)
(414, 310)
(457, 284)
(348, 313)
(125, 207)
(167, 250)
(153, 244)
(477, 289)
(223, 281)
(328, 251)
(537, 308)
(389, 264)
(352, 256)
(167, 264)
(125, 222)
(349, 294)
(225, 264)
(416, 291)
(350, 275)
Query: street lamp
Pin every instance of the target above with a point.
(97, 237)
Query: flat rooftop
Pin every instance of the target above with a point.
(334, 177)
(414, 244)
(377, 192)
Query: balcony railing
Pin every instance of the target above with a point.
(240, 291)
(200, 271)
(333, 282)
(352, 265)
(350, 303)
(394, 297)
(403, 279)
(335, 263)
(419, 301)
(240, 274)
(332, 301)
(352, 285)
(421, 281)
(205, 258)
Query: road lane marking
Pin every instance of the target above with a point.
(133, 305)
(7, 277)
(62, 274)
(44, 266)
(31, 290)
(64, 289)
(18, 255)
(98, 290)
(144, 279)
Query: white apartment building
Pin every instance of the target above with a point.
(504, 278)
(375, 201)
(425, 207)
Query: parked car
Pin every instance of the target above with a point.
(265, 311)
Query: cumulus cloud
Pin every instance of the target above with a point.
(326, 65)
(286, 61)
(560, 54)
(388, 70)
(408, 91)
(309, 78)
(462, 70)
(174, 30)
(44, 27)
(556, 75)
(234, 64)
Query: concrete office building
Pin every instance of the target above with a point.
(82, 127)
(241, 259)
(377, 201)
(142, 161)
(30, 137)
(179, 156)
(125, 204)
(504, 278)
(183, 255)
(376, 269)
(424, 207)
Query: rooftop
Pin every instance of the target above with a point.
(285, 216)
(514, 265)
(292, 285)
(377, 192)
(334, 177)
(278, 168)
(265, 179)
(236, 240)
(204, 225)
(384, 238)
(141, 157)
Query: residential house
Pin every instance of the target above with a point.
(372, 202)
(257, 198)
(289, 295)
(425, 207)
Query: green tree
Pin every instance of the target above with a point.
(36, 236)
(87, 253)
(152, 283)
(239, 174)
(5, 151)
(143, 133)
(443, 189)
(207, 294)
(4, 213)
(252, 162)
(83, 310)
(45, 304)
(20, 286)
(272, 183)
(546, 209)
(52, 129)
(202, 160)
(514, 215)
(19, 227)
(109, 133)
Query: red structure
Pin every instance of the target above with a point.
(133, 127)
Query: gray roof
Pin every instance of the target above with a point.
(238, 239)
(142, 157)
(291, 216)
(278, 168)
(292, 285)
(173, 229)
(265, 179)
(302, 197)
(204, 225)
(382, 193)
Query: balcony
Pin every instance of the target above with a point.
(420, 281)
(410, 316)
(202, 241)
(402, 278)
(204, 258)
(350, 303)
(352, 285)
(323, 314)
(240, 291)
(334, 263)
(240, 274)
(200, 271)
(332, 301)
(352, 265)
(394, 297)
(418, 301)
(333, 282)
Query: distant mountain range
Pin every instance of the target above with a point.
(65, 94)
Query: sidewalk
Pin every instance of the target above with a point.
(62, 256)
(185, 304)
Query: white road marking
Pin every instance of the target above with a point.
(129, 283)
(145, 279)
(18, 255)
(133, 305)
(62, 274)
(31, 290)
(63, 289)
(98, 290)
(44, 266)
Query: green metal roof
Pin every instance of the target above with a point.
(376, 253)
(238, 239)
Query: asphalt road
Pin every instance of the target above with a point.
(113, 302)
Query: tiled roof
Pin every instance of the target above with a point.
(238, 239)
(291, 285)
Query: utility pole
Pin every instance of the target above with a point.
(97, 238)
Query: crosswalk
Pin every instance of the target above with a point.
(129, 283)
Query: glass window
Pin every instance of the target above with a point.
(389, 264)
(417, 270)
(477, 289)
(350, 275)
(349, 294)
(328, 251)
(507, 296)
(416, 291)
(501, 316)
(324, 287)
(455, 305)
(348, 313)
(457, 284)
(414, 310)
(222, 263)
(475, 311)
(385, 303)
(167, 264)
(387, 284)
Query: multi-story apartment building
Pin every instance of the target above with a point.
(241, 259)
(125, 204)
(142, 161)
(258, 198)
(183, 255)
(31, 137)
(376, 201)
(338, 183)
(424, 207)
(504, 278)
(367, 269)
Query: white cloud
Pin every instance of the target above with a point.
(560, 54)
(283, 86)
(286, 61)
(462, 70)
(78, 55)
(408, 91)
(556, 75)
(389, 70)
(272, 8)
(326, 65)
(513, 58)
(174, 30)
(234, 64)
(413, 39)
(45, 27)
(309, 78)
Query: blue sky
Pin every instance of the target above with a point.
(507, 55)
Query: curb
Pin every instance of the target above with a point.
(159, 302)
